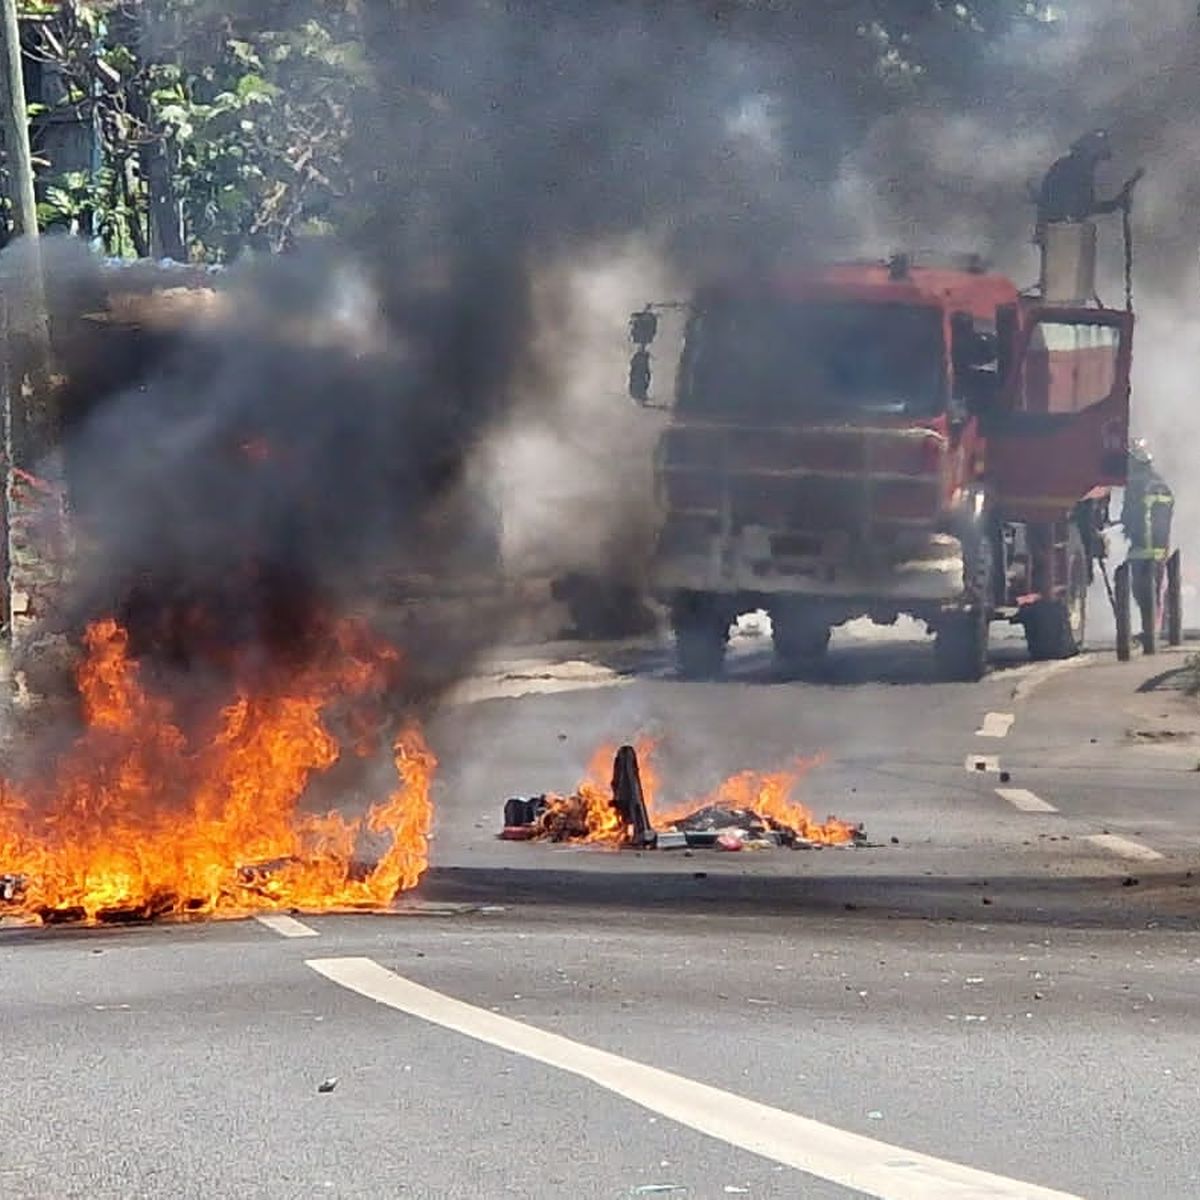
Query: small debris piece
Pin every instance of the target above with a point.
(628, 799)
(672, 839)
(1130, 881)
(731, 1189)
(987, 900)
(730, 841)
(518, 833)
(327, 1085)
(658, 1189)
(1005, 776)
(255, 875)
(874, 1115)
(523, 810)
(895, 840)
(11, 887)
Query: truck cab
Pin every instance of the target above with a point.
(883, 438)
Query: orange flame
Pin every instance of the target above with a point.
(135, 818)
(587, 815)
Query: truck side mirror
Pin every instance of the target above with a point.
(639, 375)
(643, 327)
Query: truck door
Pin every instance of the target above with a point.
(1063, 427)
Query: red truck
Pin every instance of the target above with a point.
(888, 437)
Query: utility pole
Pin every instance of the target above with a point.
(27, 416)
(16, 124)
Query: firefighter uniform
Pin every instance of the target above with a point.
(1146, 518)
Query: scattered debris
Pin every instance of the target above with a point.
(327, 1085)
(622, 816)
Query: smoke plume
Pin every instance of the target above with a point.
(234, 481)
(239, 480)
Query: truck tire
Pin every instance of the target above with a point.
(961, 639)
(799, 642)
(701, 635)
(961, 645)
(1056, 628)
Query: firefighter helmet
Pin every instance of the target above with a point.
(1139, 451)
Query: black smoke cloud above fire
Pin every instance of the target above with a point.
(231, 482)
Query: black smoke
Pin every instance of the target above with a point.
(236, 481)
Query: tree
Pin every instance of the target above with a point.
(215, 133)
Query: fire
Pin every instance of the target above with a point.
(588, 815)
(136, 816)
(769, 794)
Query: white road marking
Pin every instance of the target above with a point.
(982, 764)
(1025, 800)
(286, 926)
(996, 725)
(1123, 846)
(1035, 675)
(848, 1159)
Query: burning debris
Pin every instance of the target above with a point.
(748, 811)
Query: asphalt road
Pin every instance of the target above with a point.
(996, 1004)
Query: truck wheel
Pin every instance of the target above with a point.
(701, 635)
(961, 645)
(1056, 628)
(797, 640)
(961, 639)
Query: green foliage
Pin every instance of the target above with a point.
(246, 126)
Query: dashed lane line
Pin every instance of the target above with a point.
(1124, 847)
(848, 1159)
(983, 764)
(1025, 800)
(286, 926)
(996, 725)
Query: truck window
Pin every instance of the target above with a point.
(784, 361)
(1069, 366)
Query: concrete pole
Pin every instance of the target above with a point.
(27, 407)
(15, 118)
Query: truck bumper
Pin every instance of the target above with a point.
(929, 571)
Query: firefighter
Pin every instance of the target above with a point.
(1068, 192)
(1146, 519)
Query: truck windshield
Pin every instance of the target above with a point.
(779, 361)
